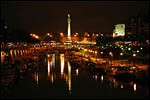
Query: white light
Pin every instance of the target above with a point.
(48, 55)
(141, 48)
(121, 86)
(137, 51)
(134, 86)
(102, 78)
(129, 48)
(77, 71)
(95, 77)
(5, 26)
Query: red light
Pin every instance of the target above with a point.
(3, 53)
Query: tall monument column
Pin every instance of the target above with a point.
(69, 28)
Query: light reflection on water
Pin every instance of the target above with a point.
(69, 75)
(62, 63)
(58, 68)
(53, 59)
(66, 74)
(36, 78)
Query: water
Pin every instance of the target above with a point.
(54, 76)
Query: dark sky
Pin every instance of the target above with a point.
(86, 16)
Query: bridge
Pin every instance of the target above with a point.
(17, 51)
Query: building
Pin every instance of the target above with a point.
(138, 24)
(119, 30)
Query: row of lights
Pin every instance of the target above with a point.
(48, 34)
(110, 53)
(121, 46)
(34, 36)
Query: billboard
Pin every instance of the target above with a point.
(119, 30)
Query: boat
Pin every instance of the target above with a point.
(138, 73)
(120, 71)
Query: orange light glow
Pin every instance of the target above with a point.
(95, 52)
(48, 34)
(121, 54)
(77, 33)
(61, 34)
(110, 53)
(62, 63)
(97, 34)
(134, 55)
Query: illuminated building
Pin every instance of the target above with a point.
(119, 30)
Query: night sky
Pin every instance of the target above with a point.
(86, 16)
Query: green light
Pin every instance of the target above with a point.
(129, 48)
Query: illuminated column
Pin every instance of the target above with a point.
(15, 52)
(11, 54)
(69, 29)
(21, 52)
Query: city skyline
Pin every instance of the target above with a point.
(87, 16)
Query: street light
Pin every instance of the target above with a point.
(121, 54)
(61, 34)
(111, 54)
(101, 52)
(48, 34)
(96, 55)
(77, 33)
(134, 55)
(35, 36)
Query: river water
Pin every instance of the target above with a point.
(54, 76)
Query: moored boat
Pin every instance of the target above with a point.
(120, 71)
